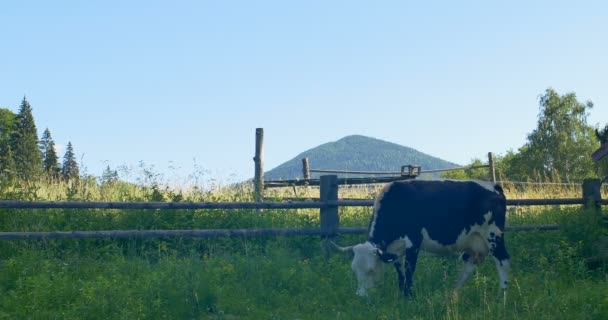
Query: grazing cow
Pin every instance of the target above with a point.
(440, 216)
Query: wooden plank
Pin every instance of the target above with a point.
(544, 202)
(341, 181)
(510, 202)
(544, 227)
(355, 172)
(305, 169)
(330, 220)
(10, 204)
(592, 194)
(211, 233)
(491, 169)
(258, 178)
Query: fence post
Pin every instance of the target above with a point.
(330, 221)
(329, 214)
(305, 169)
(258, 180)
(491, 168)
(591, 189)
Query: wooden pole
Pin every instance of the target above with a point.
(305, 169)
(492, 170)
(259, 165)
(210, 233)
(330, 220)
(592, 194)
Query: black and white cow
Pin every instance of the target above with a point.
(440, 216)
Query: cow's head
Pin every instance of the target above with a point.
(367, 265)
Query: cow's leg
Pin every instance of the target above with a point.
(400, 268)
(411, 257)
(467, 270)
(500, 254)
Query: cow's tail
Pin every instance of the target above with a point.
(343, 249)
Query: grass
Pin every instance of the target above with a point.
(272, 278)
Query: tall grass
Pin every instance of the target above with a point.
(268, 277)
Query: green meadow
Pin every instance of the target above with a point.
(275, 277)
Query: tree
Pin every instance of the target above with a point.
(109, 175)
(7, 124)
(560, 145)
(70, 166)
(50, 160)
(466, 174)
(24, 144)
(9, 169)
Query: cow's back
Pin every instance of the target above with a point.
(443, 207)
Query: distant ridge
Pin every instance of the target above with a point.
(358, 153)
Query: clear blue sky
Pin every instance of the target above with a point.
(179, 83)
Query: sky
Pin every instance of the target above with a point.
(179, 87)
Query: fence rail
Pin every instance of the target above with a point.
(328, 213)
(407, 172)
(340, 181)
(160, 205)
(245, 205)
(210, 233)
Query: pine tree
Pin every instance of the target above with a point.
(24, 144)
(70, 166)
(50, 160)
(9, 169)
(109, 175)
(7, 124)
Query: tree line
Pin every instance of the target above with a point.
(23, 156)
(558, 150)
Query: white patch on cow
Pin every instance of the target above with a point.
(372, 225)
(467, 270)
(398, 246)
(475, 241)
(503, 272)
(428, 244)
(367, 267)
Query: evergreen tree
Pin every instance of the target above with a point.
(109, 175)
(49, 155)
(9, 169)
(7, 124)
(70, 166)
(24, 144)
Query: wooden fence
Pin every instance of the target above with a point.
(328, 211)
(407, 172)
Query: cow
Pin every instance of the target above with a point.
(438, 216)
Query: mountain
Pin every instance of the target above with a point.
(359, 153)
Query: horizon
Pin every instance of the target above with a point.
(182, 87)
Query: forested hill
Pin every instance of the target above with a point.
(357, 153)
